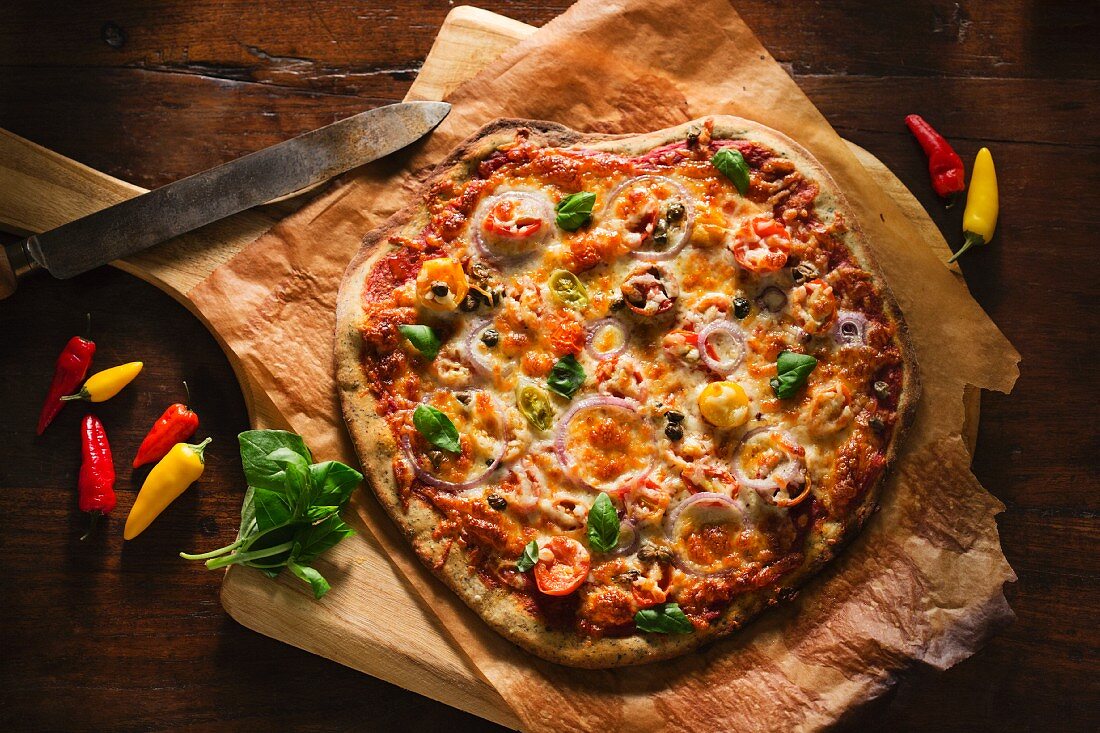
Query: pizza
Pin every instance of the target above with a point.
(623, 393)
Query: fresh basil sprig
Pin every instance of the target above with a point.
(436, 428)
(603, 525)
(529, 558)
(791, 372)
(575, 210)
(667, 618)
(291, 511)
(732, 165)
(422, 338)
(566, 377)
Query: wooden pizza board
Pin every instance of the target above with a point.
(371, 620)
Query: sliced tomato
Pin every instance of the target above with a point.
(507, 219)
(566, 571)
(762, 245)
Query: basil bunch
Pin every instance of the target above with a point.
(291, 511)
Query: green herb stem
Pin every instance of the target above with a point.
(242, 557)
(212, 553)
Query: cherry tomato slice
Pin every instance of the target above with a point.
(762, 245)
(566, 571)
(507, 219)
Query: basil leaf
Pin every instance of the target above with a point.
(257, 445)
(333, 482)
(733, 166)
(575, 210)
(566, 377)
(529, 558)
(792, 370)
(317, 538)
(603, 525)
(316, 581)
(436, 428)
(666, 618)
(271, 509)
(423, 338)
(248, 513)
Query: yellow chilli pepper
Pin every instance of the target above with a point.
(104, 385)
(169, 478)
(982, 204)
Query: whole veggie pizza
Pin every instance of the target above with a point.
(622, 393)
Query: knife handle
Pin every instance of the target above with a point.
(8, 280)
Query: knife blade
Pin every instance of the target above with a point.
(192, 202)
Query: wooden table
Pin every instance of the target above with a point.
(97, 636)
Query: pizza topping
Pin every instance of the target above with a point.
(732, 165)
(603, 525)
(768, 460)
(705, 530)
(724, 404)
(606, 338)
(604, 444)
(441, 284)
(792, 370)
(830, 409)
(722, 346)
(529, 557)
(850, 328)
(653, 216)
(534, 403)
(575, 210)
(772, 299)
(650, 289)
(813, 306)
(479, 344)
(762, 245)
(470, 452)
(566, 377)
(562, 566)
(742, 307)
(568, 289)
(423, 339)
(512, 224)
(667, 618)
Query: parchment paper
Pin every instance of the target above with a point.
(923, 582)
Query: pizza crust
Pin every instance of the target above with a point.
(376, 446)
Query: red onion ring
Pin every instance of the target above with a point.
(705, 497)
(478, 362)
(563, 454)
(547, 214)
(627, 548)
(850, 328)
(772, 299)
(598, 326)
(689, 215)
(724, 367)
(451, 486)
(794, 465)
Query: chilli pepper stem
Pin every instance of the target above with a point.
(970, 240)
(92, 522)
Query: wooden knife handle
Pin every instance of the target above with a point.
(8, 280)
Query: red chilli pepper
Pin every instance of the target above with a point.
(72, 366)
(176, 425)
(96, 483)
(944, 164)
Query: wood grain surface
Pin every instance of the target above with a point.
(100, 637)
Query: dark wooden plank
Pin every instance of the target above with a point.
(341, 44)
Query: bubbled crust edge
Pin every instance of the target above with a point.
(376, 446)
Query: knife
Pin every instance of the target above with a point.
(192, 202)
